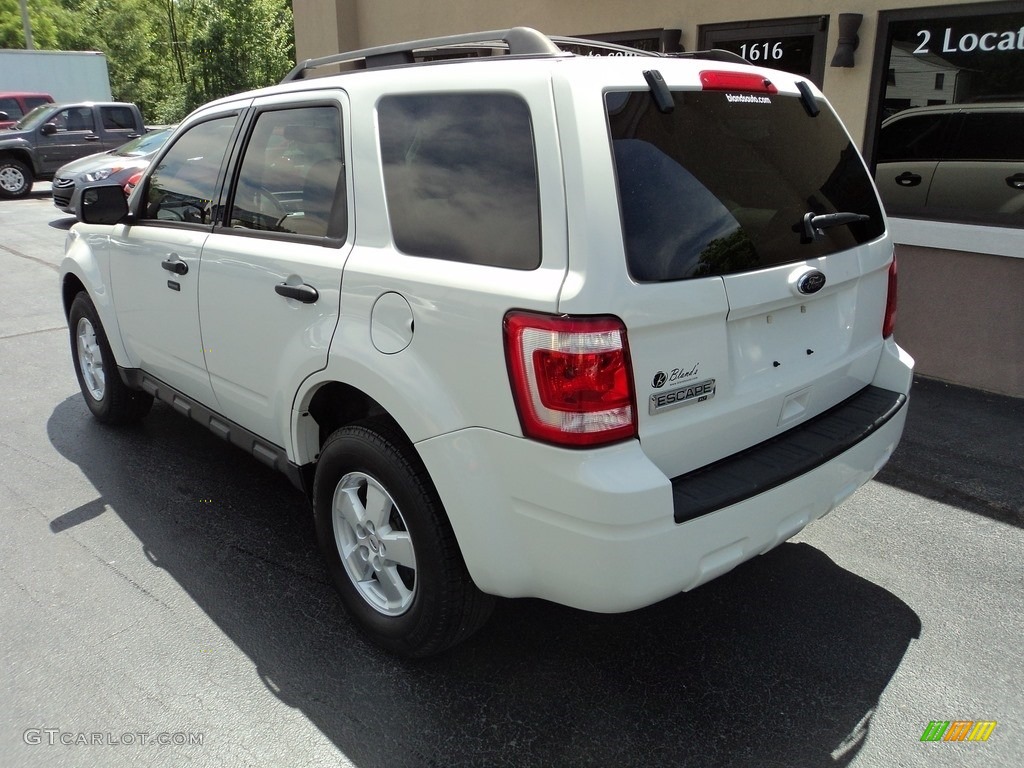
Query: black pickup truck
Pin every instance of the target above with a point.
(54, 134)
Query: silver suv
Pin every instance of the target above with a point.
(963, 162)
(589, 329)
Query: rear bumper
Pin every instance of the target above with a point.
(596, 530)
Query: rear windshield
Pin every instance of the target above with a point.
(721, 185)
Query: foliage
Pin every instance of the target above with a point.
(46, 16)
(170, 56)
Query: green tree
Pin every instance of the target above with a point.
(237, 45)
(167, 57)
(46, 16)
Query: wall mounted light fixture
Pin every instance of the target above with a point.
(849, 23)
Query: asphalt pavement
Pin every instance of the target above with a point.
(162, 603)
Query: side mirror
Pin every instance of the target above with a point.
(48, 129)
(3, 115)
(103, 205)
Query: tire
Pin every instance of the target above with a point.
(15, 178)
(109, 398)
(389, 547)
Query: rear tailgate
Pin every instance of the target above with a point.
(752, 318)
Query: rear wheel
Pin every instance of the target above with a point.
(109, 398)
(15, 178)
(389, 546)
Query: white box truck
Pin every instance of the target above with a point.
(65, 75)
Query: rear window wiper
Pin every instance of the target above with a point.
(815, 224)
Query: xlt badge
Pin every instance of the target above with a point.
(674, 398)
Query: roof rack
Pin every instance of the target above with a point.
(520, 41)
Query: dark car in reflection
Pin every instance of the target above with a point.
(114, 166)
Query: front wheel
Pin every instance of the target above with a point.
(15, 178)
(109, 398)
(389, 547)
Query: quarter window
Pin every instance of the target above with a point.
(460, 177)
(183, 188)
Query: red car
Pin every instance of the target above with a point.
(15, 104)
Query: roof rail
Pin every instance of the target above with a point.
(715, 54)
(521, 41)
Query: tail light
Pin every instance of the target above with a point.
(133, 180)
(889, 323)
(743, 82)
(571, 378)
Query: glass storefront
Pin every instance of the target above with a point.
(948, 113)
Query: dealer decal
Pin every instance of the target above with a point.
(697, 392)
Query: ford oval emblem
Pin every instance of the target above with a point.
(812, 282)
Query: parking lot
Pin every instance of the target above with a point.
(162, 602)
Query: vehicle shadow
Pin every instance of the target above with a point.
(779, 663)
(962, 447)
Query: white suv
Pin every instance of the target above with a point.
(588, 329)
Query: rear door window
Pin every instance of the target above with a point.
(921, 137)
(989, 135)
(720, 186)
(292, 175)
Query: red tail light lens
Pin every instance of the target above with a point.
(889, 324)
(745, 82)
(571, 378)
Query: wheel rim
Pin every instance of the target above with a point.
(11, 179)
(90, 360)
(374, 544)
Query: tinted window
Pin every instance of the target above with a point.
(184, 185)
(721, 185)
(913, 138)
(12, 108)
(292, 174)
(115, 118)
(969, 55)
(460, 177)
(989, 136)
(74, 119)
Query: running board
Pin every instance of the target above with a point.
(266, 453)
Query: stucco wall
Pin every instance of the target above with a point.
(961, 315)
(328, 26)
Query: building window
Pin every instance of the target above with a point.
(793, 45)
(955, 155)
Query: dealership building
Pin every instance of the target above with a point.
(946, 78)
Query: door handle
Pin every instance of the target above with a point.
(908, 179)
(173, 264)
(307, 294)
(91, 137)
(1016, 181)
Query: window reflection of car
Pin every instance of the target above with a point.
(114, 166)
(963, 162)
